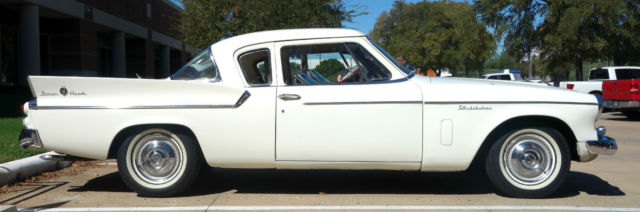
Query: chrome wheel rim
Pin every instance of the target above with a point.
(157, 158)
(529, 159)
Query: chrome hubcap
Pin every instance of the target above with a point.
(529, 159)
(157, 158)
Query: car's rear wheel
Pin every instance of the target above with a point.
(159, 162)
(529, 162)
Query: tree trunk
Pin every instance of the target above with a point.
(579, 76)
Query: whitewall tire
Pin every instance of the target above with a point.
(529, 162)
(158, 162)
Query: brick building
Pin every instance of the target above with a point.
(114, 38)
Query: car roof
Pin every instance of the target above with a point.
(286, 34)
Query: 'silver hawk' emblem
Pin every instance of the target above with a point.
(64, 91)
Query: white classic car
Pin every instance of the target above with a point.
(313, 99)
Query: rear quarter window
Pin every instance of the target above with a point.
(626, 74)
(599, 74)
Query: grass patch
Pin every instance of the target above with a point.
(9, 148)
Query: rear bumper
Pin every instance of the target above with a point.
(30, 139)
(604, 145)
(621, 104)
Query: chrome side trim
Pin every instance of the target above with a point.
(135, 107)
(511, 102)
(238, 103)
(242, 99)
(33, 104)
(362, 103)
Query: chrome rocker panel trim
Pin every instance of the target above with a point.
(604, 145)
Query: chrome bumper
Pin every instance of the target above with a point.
(604, 145)
(615, 104)
(30, 139)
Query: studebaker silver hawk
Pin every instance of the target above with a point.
(314, 99)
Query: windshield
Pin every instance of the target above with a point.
(393, 60)
(200, 67)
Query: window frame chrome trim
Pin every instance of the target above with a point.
(244, 74)
(389, 80)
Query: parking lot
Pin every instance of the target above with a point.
(609, 183)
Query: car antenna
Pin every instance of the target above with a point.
(138, 75)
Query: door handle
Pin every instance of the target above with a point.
(286, 96)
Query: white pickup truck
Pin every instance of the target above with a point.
(501, 76)
(596, 76)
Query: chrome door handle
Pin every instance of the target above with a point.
(286, 96)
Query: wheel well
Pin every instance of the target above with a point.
(596, 92)
(525, 121)
(133, 130)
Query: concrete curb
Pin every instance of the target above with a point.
(13, 171)
(8, 208)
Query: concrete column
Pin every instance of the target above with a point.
(28, 43)
(118, 56)
(165, 62)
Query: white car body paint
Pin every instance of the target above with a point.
(397, 123)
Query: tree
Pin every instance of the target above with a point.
(567, 32)
(205, 22)
(329, 67)
(501, 61)
(435, 35)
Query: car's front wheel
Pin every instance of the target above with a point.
(159, 162)
(529, 162)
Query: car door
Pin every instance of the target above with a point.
(374, 117)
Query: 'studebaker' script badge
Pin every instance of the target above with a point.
(474, 107)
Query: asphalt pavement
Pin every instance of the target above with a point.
(609, 183)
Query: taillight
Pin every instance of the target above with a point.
(634, 88)
(570, 86)
(22, 108)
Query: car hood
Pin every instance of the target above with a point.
(452, 89)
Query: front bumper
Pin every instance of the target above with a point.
(30, 139)
(604, 145)
(616, 104)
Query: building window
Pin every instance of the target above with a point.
(8, 56)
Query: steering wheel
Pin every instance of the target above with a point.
(349, 74)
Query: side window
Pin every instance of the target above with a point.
(330, 64)
(505, 77)
(599, 74)
(256, 67)
(493, 77)
(626, 74)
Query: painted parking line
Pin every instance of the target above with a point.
(108, 164)
(359, 207)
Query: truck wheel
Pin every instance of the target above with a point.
(529, 162)
(158, 162)
(633, 115)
